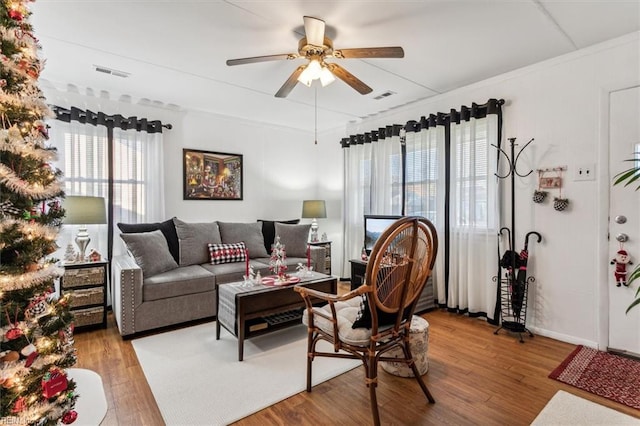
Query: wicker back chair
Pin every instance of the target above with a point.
(397, 271)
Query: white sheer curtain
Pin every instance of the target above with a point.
(138, 181)
(426, 187)
(474, 216)
(386, 179)
(82, 157)
(357, 190)
(372, 185)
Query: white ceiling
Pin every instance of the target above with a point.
(176, 50)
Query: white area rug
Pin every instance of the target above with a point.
(567, 409)
(91, 405)
(198, 380)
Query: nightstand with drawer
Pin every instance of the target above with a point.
(327, 253)
(88, 283)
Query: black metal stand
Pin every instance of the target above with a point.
(513, 287)
(513, 304)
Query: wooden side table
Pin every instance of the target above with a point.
(327, 253)
(358, 270)
(88, 283)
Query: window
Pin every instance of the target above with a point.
(472, 182)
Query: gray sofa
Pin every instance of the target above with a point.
(170, 271)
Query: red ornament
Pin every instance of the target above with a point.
(15, 15)
(69, 417)
(19, 406)
(32, 357)
(13, 333)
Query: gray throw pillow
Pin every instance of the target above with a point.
(151, 252)
(249, 233)
(194, 241)
(294, 238)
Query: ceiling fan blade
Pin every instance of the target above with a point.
(291, 82)
(314, 30)
(242, 61)
(349, 78)
(370, 52)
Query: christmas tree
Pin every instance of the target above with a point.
(277, 263)
(36, 340)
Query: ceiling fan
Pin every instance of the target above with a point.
(315, 47)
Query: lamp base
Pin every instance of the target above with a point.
(82, 240)
(314, 231)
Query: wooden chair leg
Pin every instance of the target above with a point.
(416, 374)
(310, 349)
(372, 382)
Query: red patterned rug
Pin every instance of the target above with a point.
(601, 373)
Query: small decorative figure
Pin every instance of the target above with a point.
(70, 255)
(621, 261)
(363, 255)
(324, 237)
(94, 256)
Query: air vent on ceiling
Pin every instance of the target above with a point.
(111, 71)
(384, 95)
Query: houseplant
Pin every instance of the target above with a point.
(629, 177)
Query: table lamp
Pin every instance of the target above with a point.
(84, 211)
(314, 209)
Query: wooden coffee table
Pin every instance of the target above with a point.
(248, 312)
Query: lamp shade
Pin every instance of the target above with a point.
(313, 209)
(84, 210)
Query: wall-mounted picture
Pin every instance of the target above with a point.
(211, 175)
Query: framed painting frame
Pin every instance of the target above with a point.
(210, 175)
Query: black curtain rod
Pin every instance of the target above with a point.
(110, 121)
(477, 111)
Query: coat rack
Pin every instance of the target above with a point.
(513, 288)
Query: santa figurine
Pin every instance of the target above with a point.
(621, 261)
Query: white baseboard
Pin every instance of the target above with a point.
(563, 337)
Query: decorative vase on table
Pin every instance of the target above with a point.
(277, 263)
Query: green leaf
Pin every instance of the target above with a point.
(624, 175)
(634, 275)
(632, 305)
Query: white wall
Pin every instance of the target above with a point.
(557, 102)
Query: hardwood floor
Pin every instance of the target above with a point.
(476, 377)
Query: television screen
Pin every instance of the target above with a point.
(374, 226)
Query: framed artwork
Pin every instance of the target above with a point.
(211, 175)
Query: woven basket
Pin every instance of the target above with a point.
(90, 296)
(88, 316)
(81, 277)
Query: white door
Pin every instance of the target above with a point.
(624, 140)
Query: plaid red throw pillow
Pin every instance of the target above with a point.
(227, 253)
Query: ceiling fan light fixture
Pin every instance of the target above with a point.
(305, 77)
(310, 73)
(326, 76)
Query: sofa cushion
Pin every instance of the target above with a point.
(233, 272)
(151, 252)
(194, 239)
(178, 282)
(167, 228)
(227, 253)
(294, 238)
(269, 230)
(249, 233)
